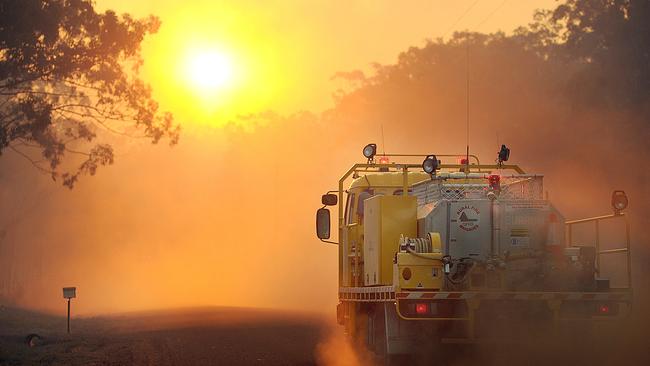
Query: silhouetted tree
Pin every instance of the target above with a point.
(572, 87)
(584, 56)
(67, 72)
(611, 39)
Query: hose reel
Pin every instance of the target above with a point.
(430, 244)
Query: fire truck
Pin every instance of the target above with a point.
(450, 250)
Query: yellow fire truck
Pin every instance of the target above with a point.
(439, 251)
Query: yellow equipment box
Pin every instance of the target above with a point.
(386, 218)
(419, 272)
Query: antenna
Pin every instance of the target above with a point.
(467, 106)
(467, 67)
(383, 142)
(498, 140)
(497, 159)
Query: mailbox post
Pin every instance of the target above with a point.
(69, 293)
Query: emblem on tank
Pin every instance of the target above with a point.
(468, 218)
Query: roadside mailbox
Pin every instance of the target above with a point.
(69, 293)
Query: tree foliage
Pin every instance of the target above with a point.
(67, 74)
(592, 51)
(612, 39)
(573, 87)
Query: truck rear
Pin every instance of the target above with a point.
(462, 252)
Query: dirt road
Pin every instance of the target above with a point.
(209, 336)
(232, 336)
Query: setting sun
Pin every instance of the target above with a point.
(209, 71)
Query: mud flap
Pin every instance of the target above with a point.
(399, 334)
(340, 314)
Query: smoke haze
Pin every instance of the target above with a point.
(227, 216)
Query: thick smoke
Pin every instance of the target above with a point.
(227, 217)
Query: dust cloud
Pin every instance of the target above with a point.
(207, 223)
(602, 344)
(336, 349)
(227, 216)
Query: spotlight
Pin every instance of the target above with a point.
(369, 151)
(504, 154)
(430, 164)
(619, 201)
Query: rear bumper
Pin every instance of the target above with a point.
(414, 305)
(443, 305)
(518, 295)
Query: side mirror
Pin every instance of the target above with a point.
(323, 223)
(330, 199)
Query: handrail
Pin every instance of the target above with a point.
(596, 220)
(516, 168)
(478, 162)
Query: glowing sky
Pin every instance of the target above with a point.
(228, 218)
(281, 54)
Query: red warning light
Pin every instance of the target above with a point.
(421, 309)
(603, 309)
(464, 161)
(384, 160)
(494, 181)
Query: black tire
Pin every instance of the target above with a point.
(398, 360)
(379, 338)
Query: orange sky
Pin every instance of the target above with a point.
(192, 225)
(285, 52)
(227, 217)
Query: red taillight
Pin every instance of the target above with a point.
(494, 181)
(603, 309)
(606, 309)
(384, 160)
(421, 309)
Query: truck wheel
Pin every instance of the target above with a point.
(398, 360)
(379, 339)
(378, 328)
(360, 324)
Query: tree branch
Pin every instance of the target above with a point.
(32, 161)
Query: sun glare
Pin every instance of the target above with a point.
(209, 71)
